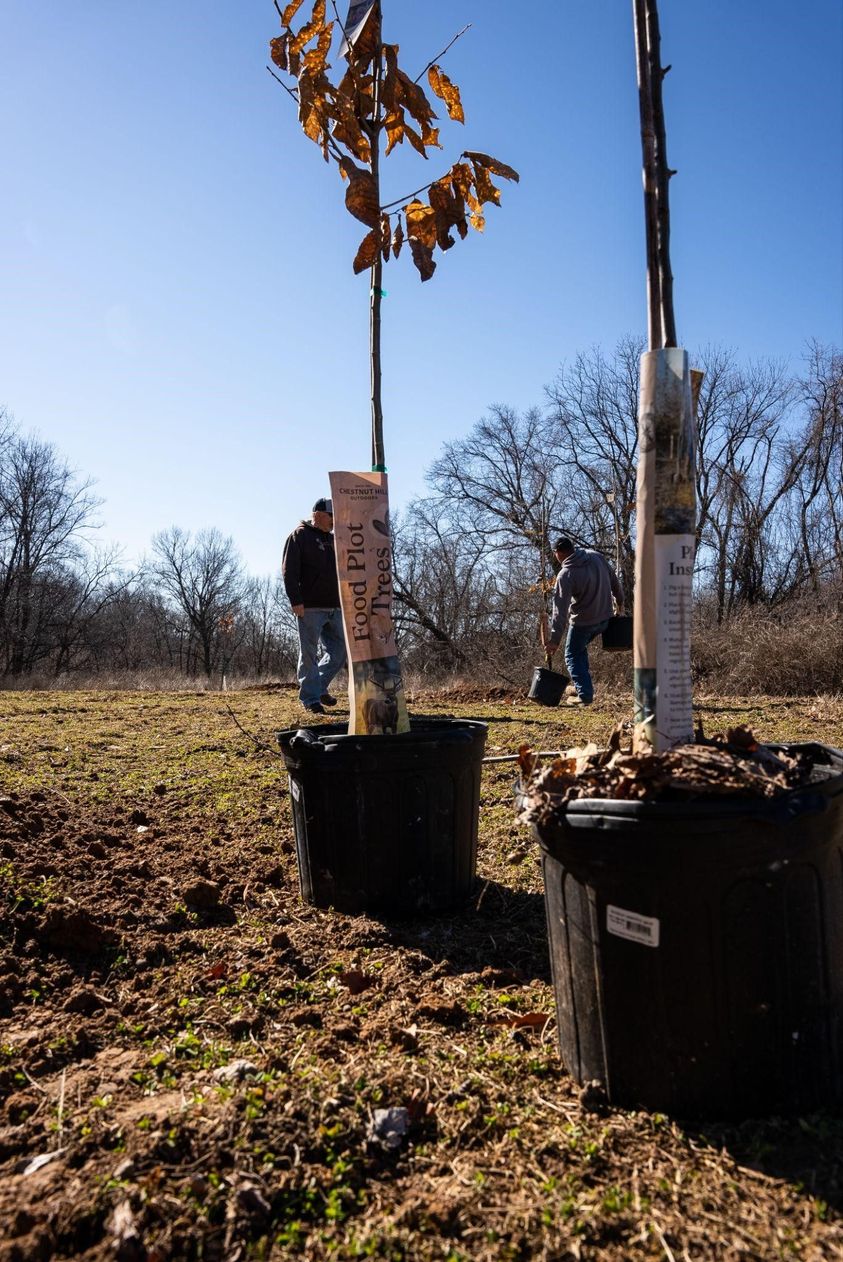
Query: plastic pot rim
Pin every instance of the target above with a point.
(422, 732)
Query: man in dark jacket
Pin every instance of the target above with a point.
(310, 579)
(582, 598)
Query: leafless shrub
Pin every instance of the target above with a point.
(790, 652)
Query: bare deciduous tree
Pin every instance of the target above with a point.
(594, 404)
(45, 515)
(204, 579)
(744, 469)
(818, 451)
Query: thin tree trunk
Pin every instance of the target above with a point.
(376, 294)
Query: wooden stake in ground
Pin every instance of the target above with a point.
(666, 496)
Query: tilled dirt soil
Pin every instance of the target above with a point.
(195, 1065)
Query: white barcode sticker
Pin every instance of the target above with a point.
(295, 789)
(629, 924)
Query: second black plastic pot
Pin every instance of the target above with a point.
(697, 948)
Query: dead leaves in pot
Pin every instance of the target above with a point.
(734, 764)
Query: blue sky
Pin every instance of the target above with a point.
(179, 314)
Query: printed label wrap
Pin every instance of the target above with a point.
(664, 555)
(363, 545)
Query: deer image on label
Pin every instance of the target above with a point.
(364, 567)
(380, 705)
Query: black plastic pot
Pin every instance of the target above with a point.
(697, 948)
(617, 638)
(547, 686)
(386, 824)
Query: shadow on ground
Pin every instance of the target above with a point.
(501, 928)
(805, 1151)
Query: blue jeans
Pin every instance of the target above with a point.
(315, 672)
(576, 656)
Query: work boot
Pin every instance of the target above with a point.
(574, 701)
(315, 707)
(571, 691)
(327, 699)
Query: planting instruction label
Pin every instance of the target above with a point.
(673, 557)
(632, 925)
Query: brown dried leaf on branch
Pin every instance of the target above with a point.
(734, 764)
(423, 258)
(367, 251)
(414, 97)
(278, 51)
(314, 108)
(492, 164)
(421, 223)
(447, 92)
(486, 191)
(401, 96)
(361, 196)
(291, 11)
(316, 61)
(310, 30)
(347, 129)
(386, 237)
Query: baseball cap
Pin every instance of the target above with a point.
(324, 506)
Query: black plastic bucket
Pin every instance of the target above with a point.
(697, 948)
(547, 686)
(386, 824)
(617, 638)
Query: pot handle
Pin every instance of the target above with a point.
(306, 739)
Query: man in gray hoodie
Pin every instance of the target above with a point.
(582, 600)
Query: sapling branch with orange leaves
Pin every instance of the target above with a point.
(346, 120)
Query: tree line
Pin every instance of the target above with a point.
(473, 555)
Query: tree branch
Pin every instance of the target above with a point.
(401, 201)
(443, 52)
(336, 152)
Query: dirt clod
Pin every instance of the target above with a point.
(202, 894)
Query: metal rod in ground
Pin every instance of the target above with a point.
(534, 753)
